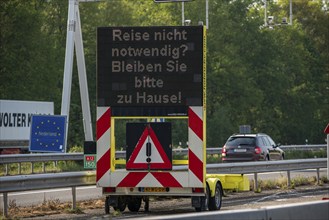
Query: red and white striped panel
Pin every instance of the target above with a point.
(195, 153)
(193, 178)
(148, 179)
(103, 136)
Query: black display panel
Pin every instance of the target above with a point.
(150, 71)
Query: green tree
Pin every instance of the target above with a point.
(233, 95)
(275, 79)
(26, 68)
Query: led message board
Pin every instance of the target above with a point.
(150, 71)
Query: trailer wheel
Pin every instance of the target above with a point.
(121, 204)
(215, 202)
(134, 204)
(204, 201)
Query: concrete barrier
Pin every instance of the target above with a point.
(318, 210)
(313, 210)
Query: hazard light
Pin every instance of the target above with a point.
(198, 190)
(108, 189)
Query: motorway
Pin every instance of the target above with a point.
(28, 198)
(231, 202)
(33, 198)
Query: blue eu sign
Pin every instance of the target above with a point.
(48, 133)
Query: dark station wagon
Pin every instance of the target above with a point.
(251, 147)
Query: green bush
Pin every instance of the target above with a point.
(305, 154)
(76, 149)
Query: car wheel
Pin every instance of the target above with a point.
(215, 202)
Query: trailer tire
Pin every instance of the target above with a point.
(121, 204)
(134, 204)
(215, 202)
(204, 201)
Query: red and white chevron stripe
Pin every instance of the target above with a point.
(195, 153)
(148, 179)
(103, 136)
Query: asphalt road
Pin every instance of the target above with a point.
(231, 201)
(165, 206)
(29, 198)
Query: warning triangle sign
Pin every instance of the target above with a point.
(148, 153)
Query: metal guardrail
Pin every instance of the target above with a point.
(45, 157)
(218, 150)
(85, 178)
(47, 181)
(267, 166)
(41, 157)
(304, 147)
(264, 167)
(48, 157)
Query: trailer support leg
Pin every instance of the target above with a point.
(289, 178)
(147, 204)
(74, 198)
(107, 205)
(255, 182)
(6, 170)
(5, 204)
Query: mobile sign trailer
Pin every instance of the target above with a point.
(145, 73)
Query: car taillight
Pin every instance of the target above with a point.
(258, 150)
(224, 151)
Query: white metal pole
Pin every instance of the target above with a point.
(207, 14)
(183, 15)
(290, 12)
(87, 123)
(265, 15)
(68, 66)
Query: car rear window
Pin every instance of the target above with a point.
(235, 141)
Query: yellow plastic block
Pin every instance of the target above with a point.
(237, 182)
